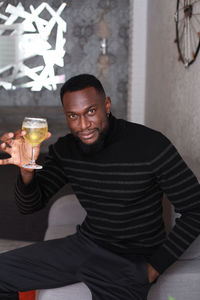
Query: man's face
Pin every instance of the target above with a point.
(86, 112)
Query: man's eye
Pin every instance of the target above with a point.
(72, 116)
(92, 111)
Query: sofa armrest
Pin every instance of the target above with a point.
(64, 215)
(66, 210)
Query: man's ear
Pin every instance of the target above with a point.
(108, 105)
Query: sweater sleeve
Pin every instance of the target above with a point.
(183, 190)
(45, 184)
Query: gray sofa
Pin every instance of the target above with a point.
(181, 281)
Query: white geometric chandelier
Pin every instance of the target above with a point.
(31, 37)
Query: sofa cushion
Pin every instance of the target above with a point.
(193, 251)
(66, 210)
(59, 231)
(7, 245)
(77, 291)
(180, 281)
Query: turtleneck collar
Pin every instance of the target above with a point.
(112, 132)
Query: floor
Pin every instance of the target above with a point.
(6, 245)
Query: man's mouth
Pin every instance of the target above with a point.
(86, 135)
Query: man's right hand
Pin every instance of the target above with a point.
(19, 150)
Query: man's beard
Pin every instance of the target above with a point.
(94, 147)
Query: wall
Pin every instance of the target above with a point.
(82, 56)
(172, 92)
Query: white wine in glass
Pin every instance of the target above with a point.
(36, 132)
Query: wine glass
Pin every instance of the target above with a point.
(36, 132)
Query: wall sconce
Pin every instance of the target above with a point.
(103, 32)
(103, 44)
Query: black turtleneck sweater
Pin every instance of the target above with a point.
(121, 187)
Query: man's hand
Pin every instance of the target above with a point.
(152, 273)
(20, 151)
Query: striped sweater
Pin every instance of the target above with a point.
(121, 187)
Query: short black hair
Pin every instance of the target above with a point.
(81, 82)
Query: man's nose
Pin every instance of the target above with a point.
(84, 123)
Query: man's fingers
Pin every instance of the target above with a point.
(48, 135)
(7, 136)
(10, 135)
(4, 148)
(8, 142)
(6, 161)
(19, 133)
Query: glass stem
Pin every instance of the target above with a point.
(32, 156)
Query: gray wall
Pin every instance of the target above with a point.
(82, 55)
(172, 92)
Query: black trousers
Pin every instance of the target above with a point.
(69, 260)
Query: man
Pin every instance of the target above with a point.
(119, 172)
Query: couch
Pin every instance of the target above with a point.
(180, 281)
